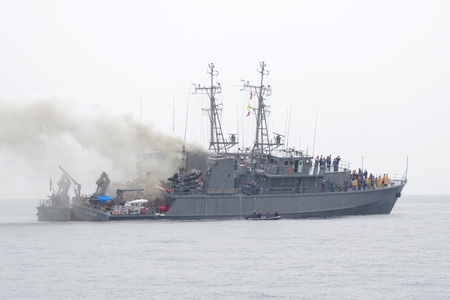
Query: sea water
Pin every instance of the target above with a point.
(404, 255)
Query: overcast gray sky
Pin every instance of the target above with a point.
(73, 72)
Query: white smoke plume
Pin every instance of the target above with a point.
(37, 137)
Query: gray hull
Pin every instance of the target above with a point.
(329, 204)
(88, 213)
(56, 214)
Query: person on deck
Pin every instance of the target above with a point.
(368, 183)
(329, 162)
(336, 165)
(316, 165)
(341, 186)
(322, 164)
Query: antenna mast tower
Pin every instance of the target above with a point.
(262, 141)
(217, 141)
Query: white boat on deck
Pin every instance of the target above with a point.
(138, 206)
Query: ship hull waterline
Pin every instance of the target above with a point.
(55, 214)
(87, 213)
(314, 205)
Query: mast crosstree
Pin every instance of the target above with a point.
(217, 141)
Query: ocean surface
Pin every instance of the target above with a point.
(404, 255)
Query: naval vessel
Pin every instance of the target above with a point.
(101, 207)
(58, 206)
(95, 207)
(268, 176)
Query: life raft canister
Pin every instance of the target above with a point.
(289, 170)
(144, 210)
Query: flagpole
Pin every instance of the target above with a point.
(285, 124)
(243, 127)
(187, 111)
(289, 127)
(315, 129)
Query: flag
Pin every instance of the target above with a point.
(248, 107)
(251, 95)
(248, 114)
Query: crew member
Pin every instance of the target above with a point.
(341, 186)
(386, 179)
(354, 184)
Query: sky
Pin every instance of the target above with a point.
(86, 85)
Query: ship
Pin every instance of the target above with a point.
(270, 177)
(95, 207)
(101, 207)
(58, 206)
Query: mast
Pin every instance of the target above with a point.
(216, 140)
(262, 142)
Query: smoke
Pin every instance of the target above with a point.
(37, 137)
